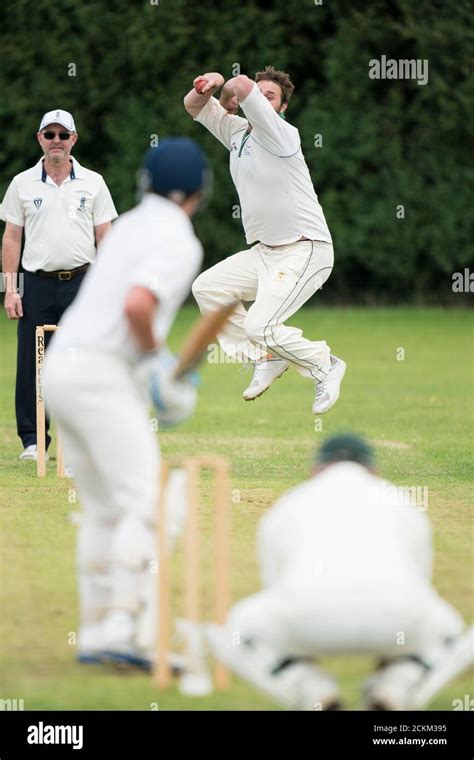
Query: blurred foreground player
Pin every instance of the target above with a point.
(346, 568)
(96, 371)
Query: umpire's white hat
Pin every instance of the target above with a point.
(58, 117)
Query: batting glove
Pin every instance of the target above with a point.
(175, 400)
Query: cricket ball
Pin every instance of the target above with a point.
(200, 84)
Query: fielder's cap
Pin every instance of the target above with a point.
(345, 447)
(176, 166)
(58, 117)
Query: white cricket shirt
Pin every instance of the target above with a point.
(277, 196)
(58, 221)
(341, 528)
(153, 246)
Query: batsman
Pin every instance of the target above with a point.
(109, 348)
(291, 254)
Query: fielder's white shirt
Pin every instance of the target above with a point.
(277, 197)
(343, 528)
(58, 221)
(153, 246)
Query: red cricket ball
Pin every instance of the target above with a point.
(200, 84)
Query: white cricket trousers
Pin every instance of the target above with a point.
(278, 281)
(380, 617)
(103, 413)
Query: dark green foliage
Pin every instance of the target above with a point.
(385, 142)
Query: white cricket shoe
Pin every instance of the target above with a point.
(393, 687)
(409, 685)
(309, 687)
(327, 391)
(30, 454)
(93, 651)
(118, 631)
(266, 371)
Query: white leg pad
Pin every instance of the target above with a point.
(457, 657)
(299, 686)
(176, 500)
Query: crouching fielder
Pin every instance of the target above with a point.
(346, 565)
(97, 367)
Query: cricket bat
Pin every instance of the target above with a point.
(201, 334)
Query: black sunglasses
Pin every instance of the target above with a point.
(61, 135)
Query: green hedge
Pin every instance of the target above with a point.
(385, 142)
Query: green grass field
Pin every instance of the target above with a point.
(417, 412)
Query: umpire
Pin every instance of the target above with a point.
(64, 211)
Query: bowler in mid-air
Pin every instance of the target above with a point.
(291, 254)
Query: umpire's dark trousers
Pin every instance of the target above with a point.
(44, 302)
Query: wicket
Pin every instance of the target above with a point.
(193, 466)
(41, 411)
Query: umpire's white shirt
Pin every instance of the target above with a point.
(59, 220)
(153, 246)
(278, 201)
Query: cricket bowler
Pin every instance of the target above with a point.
(109, 348)
(291, 254)
(345, 562)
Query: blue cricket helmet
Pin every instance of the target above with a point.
(176, 166)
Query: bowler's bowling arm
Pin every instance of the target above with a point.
(193, 102)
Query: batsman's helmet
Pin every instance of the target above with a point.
(176, 168)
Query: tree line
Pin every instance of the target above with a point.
(381, 102)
